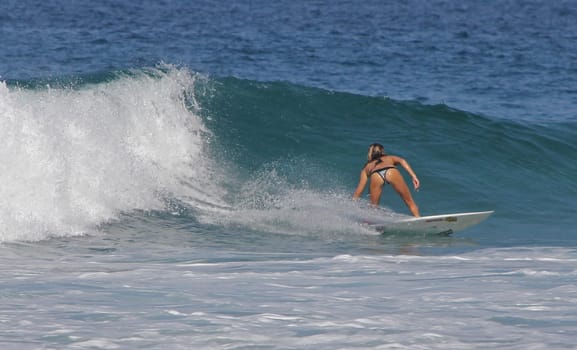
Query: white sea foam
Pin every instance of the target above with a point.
(269, 202)
(73, 158)
(346, 301)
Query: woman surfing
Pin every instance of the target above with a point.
(381, 170)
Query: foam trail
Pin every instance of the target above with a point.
(76, 157)
(268, 202)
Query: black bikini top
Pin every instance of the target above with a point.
(378, 161)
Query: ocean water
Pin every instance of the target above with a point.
(178, 174)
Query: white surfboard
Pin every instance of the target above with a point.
(435, 224)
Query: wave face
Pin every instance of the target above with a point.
(81, 152)
(466, 162)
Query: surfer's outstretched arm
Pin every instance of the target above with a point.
(362, 184)
(407, 167)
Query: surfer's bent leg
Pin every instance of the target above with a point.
(397, 181)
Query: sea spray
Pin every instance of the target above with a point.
(75, 157)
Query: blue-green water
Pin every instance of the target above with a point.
(179, 175)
